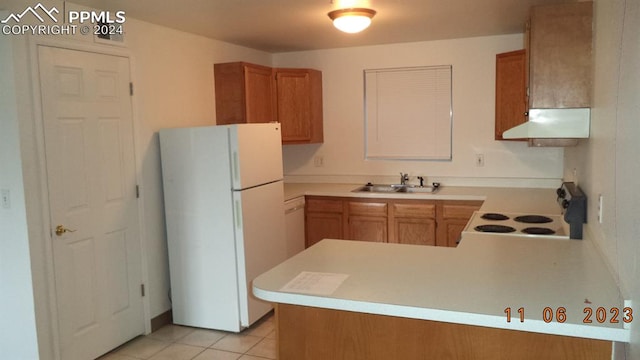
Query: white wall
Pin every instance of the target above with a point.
(18, 338)
(607, 164)
(473, 61)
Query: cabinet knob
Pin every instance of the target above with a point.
(526, 113)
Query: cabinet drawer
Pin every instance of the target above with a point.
(460, 211)
(368, 208)
(415, 210)
(323, 205)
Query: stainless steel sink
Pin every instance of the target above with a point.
(396, 188)
(418, 189)
(378, 188)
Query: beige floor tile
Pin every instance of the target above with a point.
(171, 333)
(265, 348)
(236, 343)
(262, 328)
(142, 347)
(178, 352)
(114, 356)
(214, 354)
(272, 335)
(250, 357)
(203, 337)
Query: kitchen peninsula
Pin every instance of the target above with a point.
(424, 302)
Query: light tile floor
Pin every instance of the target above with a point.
(173, 342)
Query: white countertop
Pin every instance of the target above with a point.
(471, 284)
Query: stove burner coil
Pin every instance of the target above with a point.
(495, 228)
(494, 216)
(533, 219)
(538, 231)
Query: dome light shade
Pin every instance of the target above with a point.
(352, 20)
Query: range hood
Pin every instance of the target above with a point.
(553, 124)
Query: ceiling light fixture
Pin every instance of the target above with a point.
(352, 20)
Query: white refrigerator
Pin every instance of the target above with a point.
(223, 195)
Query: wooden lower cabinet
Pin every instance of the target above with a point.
(323, 219)
(413, 223)
(319, 334)
(452, 218)
(452, 231)
(367, 221)
(320, 226)
(419, 222)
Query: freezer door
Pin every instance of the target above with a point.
(256, 154)
(260, 242)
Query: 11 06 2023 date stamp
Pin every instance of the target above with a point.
(599, 314)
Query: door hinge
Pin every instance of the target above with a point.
(137, 191)
(142, 290)
(131, 89)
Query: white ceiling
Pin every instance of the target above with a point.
(293, 25)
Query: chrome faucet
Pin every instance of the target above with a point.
(404, 178)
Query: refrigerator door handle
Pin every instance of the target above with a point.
(238, 211)
(236, 168)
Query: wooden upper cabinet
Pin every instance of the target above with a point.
(249, 93)
(245, 93)
(511, 96)
(299, 105)
(554, 72)
(560, 56)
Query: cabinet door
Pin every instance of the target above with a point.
(299, 105)
(259, 94)
(511, 97)
(453, 230)
(367, 228)
(323, 219)
(414, 231)
(452, 218)
(320, 226)
(294, 104)
(367, 221)
(413, 222)
(560, 60)
(244, 93)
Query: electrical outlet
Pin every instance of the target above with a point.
(5, 198)
(479, 160)
(318, 161)
(600, 208)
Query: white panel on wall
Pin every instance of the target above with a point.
(408, 113)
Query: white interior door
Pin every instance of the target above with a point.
(88, 134)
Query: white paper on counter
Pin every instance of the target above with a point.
(315, 283)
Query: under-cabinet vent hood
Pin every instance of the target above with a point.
(553, 124)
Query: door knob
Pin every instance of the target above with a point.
(61, 230)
